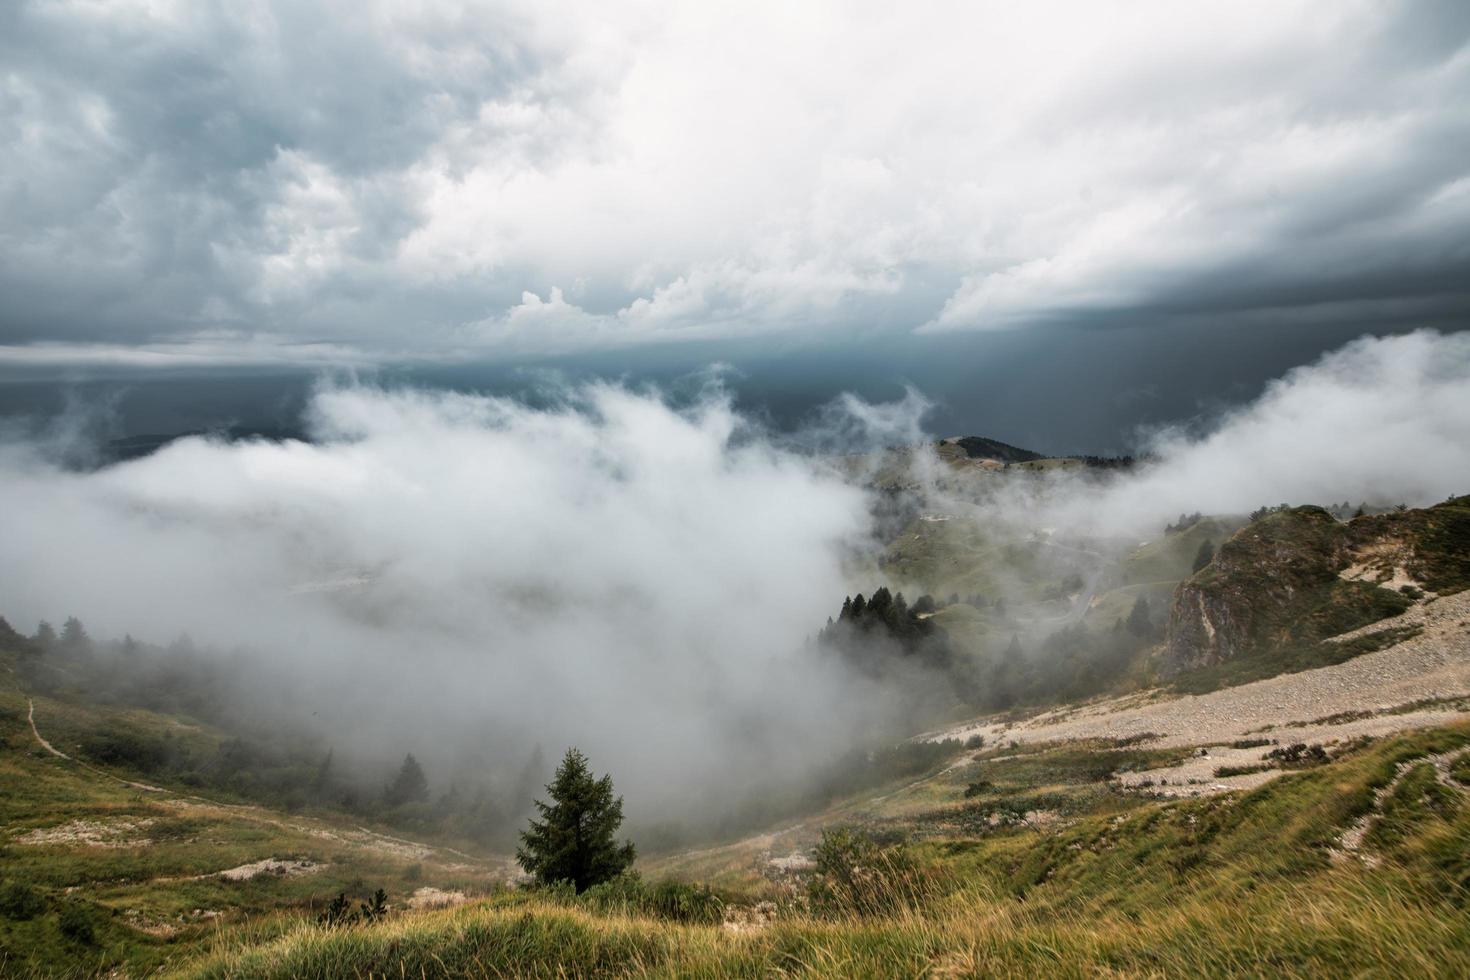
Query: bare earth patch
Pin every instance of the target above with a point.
(749, 918)
(435, 898)
(271, 866)
(90, 833)
(792, 863)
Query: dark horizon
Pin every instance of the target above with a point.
(1059, 390)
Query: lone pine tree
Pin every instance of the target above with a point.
(409, 786)
(573, 840)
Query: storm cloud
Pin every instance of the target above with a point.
(289, 182)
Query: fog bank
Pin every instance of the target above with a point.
(462, 576)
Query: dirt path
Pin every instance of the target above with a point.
(1350, 843)
(31, 718)
(1367, 695)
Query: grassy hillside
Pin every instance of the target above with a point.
(101, 870)
(1170, 558)
(1239, 883)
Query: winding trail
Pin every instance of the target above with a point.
(31, 718)
(1350, 843)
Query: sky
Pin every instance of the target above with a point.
(288, 184)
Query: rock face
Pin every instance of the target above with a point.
(1293, 577)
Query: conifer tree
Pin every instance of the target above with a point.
(1013, 652)
(573, 841)
(1140, 621)
(410, 785)
(74, 635)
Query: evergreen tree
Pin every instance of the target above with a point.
(1204, 556)
(324, 773)
(12, 640)
(573, 840)
(1140, 622)
(410, 785)
(74, 635)
(45, 635)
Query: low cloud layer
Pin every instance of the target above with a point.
(1382, 420)
(273, 181)
(466, 577)
(461, 576)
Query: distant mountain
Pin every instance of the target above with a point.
(145, 444)
(979, 447)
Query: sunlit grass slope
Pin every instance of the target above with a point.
(1257, 884)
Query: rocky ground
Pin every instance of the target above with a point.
(1424, 680)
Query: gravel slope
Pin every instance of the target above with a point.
(1433, 665)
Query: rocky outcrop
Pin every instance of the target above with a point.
(1296, 576)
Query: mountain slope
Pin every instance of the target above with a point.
(1294, 577)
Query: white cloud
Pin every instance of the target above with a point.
(610, 573)
(1384, 420)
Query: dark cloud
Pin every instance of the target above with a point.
(279, 182)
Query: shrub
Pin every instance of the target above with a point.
(976, 788)
(20, 901)
(127, 750)
(75, 922)
(339, 911)
(673, 900)
(1250, 743)
(1299, 754)
(375, 907)
(854, 875)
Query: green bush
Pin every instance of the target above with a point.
(1299, 754)
(20, 901)
(673, 900)
(75, 922)
(855, 875)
